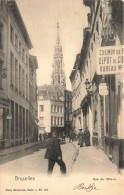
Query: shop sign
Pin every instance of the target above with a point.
(103, 89)
(110, 60)
(9, 117)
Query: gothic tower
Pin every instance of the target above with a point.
(58, 73)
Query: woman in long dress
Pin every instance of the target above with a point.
(80, 138)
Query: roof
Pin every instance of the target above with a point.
(51, 92)
(16, 13)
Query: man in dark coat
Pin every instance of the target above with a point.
(54, 154)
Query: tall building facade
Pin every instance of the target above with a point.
(14, 51)
(51, 109)
(58, 72)
(76, 96)
(67, 111)
(4, 101)
(33, 105)
(101, 73)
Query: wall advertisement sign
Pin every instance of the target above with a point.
(110, 60)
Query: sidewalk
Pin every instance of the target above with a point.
(93, 161)
(11, 150)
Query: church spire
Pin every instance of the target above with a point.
(58, 73)
(58, 34)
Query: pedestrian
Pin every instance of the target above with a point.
(40, 137)
(63, 136)
(87, 137)
(73, 136)
(54, 154)
(80, 138)
(70, 136)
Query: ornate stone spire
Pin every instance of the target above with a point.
(58, 73)
(58, 35)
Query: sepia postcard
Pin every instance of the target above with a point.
(61, 97)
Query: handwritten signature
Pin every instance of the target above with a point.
(89, 188)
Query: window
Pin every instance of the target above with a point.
(1, 3)
(60, 108)
(41, 120)
(94, 37)
(20, 45)
(41, 108)
(55, 120)
(54, 108)
(61, 120)
(23, 82)
(23, 52)
(11, 68)
(26, 60)
(1, 36)
(58, 120)
(66, 117)
(20, 79)
(26, 86)
(16, 41)
(16, 75)
(11, 33)
(1, 76)
(101, 13)
(51, 120)
(97, 27)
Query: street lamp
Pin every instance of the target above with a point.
(3, 72)
(88, 85)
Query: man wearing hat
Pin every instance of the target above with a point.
(54, 154)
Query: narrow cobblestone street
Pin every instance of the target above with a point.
(32, 160)
(85, 166)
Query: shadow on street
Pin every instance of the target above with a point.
(20, 154)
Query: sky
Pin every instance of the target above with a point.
(40, 18)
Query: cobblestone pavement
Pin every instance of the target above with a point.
(86, 166)
(31, 161)
(93, 161)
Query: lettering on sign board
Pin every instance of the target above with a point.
(110, 60)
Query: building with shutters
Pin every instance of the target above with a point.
(15, 109)
(51, 109)
(101, 63)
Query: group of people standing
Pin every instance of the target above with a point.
(84, 137)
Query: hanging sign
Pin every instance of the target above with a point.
(103, 89)
(110, 60)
